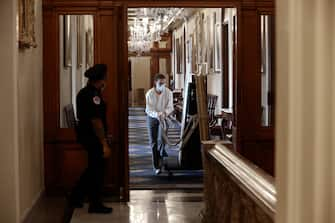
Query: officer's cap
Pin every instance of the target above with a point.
(97, 72)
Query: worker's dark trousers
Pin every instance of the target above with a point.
(91, 181)
(156, 141)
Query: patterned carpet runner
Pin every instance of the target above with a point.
(141, 171)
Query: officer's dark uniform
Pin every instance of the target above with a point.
(90, 105)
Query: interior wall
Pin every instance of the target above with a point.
(214, 79)
(30, 119)
(9, 180)
(140, 79)
(21, 160)
(140, 72)
(305, 109)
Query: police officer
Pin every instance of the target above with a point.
(91, 132)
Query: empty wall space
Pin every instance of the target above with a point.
(140, 78)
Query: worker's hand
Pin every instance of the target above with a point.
(107, 150)
(161, 115)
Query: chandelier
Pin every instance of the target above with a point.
(147, 26)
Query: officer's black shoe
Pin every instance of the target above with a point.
(99, 209)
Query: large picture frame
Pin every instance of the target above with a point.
(67, 40)
(218, 47)
(201, 38)
(194, 55)
(27, 38)
(211, 21)
(79, 41)
(179, 55)
(89, 48)
(189, 50)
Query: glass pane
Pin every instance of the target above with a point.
(76, 51)
(229, 45)
(266, 69)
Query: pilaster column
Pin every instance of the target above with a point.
(9, 139)
(305, 130)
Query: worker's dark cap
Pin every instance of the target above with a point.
(97, 72)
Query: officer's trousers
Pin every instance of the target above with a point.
(91, 181)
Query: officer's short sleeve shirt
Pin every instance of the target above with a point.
(90, 105)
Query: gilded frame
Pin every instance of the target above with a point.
(27, 38)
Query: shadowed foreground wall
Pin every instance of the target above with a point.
(305, 134)
(30, 117)
(21, 115)
(9, 211)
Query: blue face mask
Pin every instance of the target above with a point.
(160, 87)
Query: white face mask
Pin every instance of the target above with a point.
(160, 88)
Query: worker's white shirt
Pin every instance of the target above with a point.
(156, 103)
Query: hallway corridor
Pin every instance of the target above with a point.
(141, 173)
(252, 88)
(146, 206)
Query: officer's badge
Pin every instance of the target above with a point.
(97, 100)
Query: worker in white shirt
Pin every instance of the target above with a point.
(159, 104)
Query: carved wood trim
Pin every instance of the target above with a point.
(230, 195)
(252, 180)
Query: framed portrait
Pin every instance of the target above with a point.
(201, 38)
(194, 56)
(206, 44)
(67, 40)
(210, 41)
(79, 41)
(210, 59)
(217, 47)
(177, 47)
(27, 37)
(189, 50)
(89, 48)
(179, 55)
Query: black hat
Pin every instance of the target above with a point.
(97, 72)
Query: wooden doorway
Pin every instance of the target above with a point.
(65, 159)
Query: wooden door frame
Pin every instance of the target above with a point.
(181, 4)
(54, 136)
(241, 130)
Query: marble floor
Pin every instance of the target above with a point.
(150, 206)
